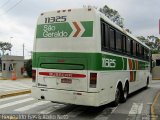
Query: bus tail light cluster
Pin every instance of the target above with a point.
(93, 80)
(33, 75)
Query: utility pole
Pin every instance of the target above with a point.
(11, 44)
(23, 49)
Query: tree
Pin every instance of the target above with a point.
(152, 41)
(4, 46)
(28, 67)
(113, 15)
(143, 39)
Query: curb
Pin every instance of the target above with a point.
(152, 108)
(3, 79)
(16, 79)
(15, 93)
(157, 78)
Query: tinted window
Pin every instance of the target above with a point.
(146, 53)
(128, 46)
(118, 41)
(134, 47)
(112, 38)
(142, 50)
(124, 43)
(104, 34)
(106, 37)
(137, 49)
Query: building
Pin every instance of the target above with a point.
(156, 69)
(0, 64)
(10, 64)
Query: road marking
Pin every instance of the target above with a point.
(14, 85)
(153, 114)
(136, 109)
(10, 98)
(15, 103)
(6, 89)
(48, 110)
(75, 112)
(25, 108)
(114, 109)
(51, 109)
(106, 113)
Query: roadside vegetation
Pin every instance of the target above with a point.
(28, 67)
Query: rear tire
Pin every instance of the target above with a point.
(147, 83)
(117, 97)
(125, 92)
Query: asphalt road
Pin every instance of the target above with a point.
(137, 107)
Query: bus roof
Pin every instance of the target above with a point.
(101, 15)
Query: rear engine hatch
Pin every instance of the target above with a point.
(63, 73)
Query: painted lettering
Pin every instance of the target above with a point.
(108, 63)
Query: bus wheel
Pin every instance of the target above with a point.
(125, 92)
(117, 96)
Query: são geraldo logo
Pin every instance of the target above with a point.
(49, 31)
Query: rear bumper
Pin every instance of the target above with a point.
(70, 97)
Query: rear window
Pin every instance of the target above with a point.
(62, 66)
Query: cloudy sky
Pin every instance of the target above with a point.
(18, 17)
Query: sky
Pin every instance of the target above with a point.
(18, 18)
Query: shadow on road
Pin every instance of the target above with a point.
(87, 112)
(137, 92)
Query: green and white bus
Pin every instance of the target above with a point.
(81, 57)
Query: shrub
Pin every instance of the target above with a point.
(28, 67)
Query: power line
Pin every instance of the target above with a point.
(15, 5)
(5, 4)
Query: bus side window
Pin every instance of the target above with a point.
(118, 41)
(112, 38)
(128, 46)
(146, 54)
(104, 35)
(137, 50)
(142, 52)
(133, 48)
(124, 43)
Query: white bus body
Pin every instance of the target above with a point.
(71, 66)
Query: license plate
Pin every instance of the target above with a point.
(66, 80)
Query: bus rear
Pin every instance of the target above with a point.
(65, 54)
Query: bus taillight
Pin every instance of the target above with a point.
(93, 80)
(33, 75)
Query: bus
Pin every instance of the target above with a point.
(81, 57)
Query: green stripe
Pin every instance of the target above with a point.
(91, 61)
(88, 26)
(125, 63)
(60, 30)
